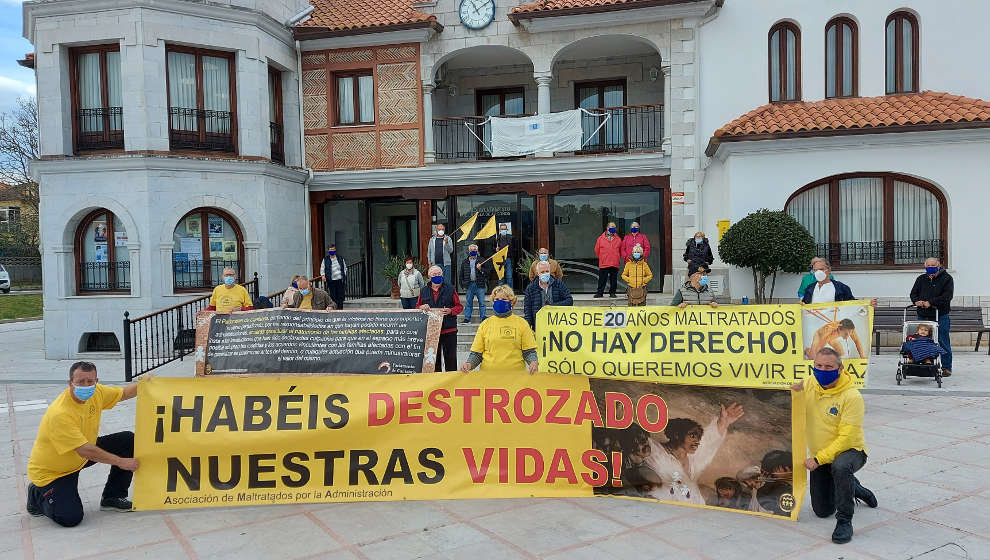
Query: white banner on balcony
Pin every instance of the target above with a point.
(553, 132)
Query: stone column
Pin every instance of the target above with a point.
(665, 143)
(543, 100)
(429, 151)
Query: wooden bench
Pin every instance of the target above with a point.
(964, 319)
(888, 319)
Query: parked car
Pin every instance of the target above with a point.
(4, 280)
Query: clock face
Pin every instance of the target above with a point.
(476, 14)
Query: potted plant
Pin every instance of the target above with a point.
(391, 270)
(525, 263)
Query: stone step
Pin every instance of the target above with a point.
(580, 300)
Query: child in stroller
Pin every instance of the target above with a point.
(921, 356)
(923, 331)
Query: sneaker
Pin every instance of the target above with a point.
(866, 496)
(843, 532)
(32, 507)
(597, 296)
(466, 320)
(116, 504)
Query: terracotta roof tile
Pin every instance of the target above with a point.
(361, 15)
(858, 113)
(554, 5)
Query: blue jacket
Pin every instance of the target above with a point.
(559, 295)
(842, 292)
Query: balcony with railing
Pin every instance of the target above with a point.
(201, 129)
(277, 142)
(100, 128)
(908, 253)
(104, 276)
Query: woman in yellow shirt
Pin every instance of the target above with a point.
(637, 275)
(504, 342)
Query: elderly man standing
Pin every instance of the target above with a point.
(333, 269)
(809, 278)
(834, 424)
(439, 252)
(544, 290)
(474, 278)
(230, 296)
(826, 289)
(544, 256)
(932, 292)
(67, 442)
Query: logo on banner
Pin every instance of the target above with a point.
(786, 502)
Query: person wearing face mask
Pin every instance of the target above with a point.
(633, 238)
(441, 297)
(333, 270)
(504, 239)
(504, 343)
(698, 251)
(474, 278)
(290, 293)
(827, 289)
(637, 275)
(230, 296)
(834, 423)
(308, 297)
(695, 290)
(544, 290)
(411, 283)
(440, 250)
(544, 256)
(809, 278)
(68, 442)
(608, 249)
(933, 291)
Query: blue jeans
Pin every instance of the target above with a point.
(475, 290)
(508, 273)
(446, 274)
(944, 324)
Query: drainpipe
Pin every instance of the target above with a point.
(302, 146)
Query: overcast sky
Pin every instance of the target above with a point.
(15, 80)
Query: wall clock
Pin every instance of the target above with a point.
(476, 14)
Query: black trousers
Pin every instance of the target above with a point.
(447, 352)
(833, 486)
(611, 274)
(335, 288)
(60, 501)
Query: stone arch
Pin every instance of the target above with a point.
(547, 63)
(430, 73)
(72, 219)
(247, 225)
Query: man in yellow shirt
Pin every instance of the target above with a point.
(67, 442)
(230, 296)
(834, 412)
(504, 342)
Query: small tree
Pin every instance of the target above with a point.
(768, 242)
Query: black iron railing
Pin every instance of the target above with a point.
(104, 276)
(628, 128)
(453, 138)
(199, 129)
(906, 252)
(354, 284)
(277, 141)
(158, 338)
(191, 274)
(100, 128)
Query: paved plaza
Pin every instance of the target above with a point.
(929, 466)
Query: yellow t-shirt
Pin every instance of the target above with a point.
(501, 341)
(66, 426)
(230, 299)
(307, 301)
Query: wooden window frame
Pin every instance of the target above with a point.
(898, 17)
(601, 85)
(77, 250)
(501, 92)
(208, 280)
(839, 62)
(354, 75)
(231, 81)
(888, 214)
(104, 86)
(275, 90)
(782, 61)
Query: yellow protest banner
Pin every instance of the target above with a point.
(846, 327)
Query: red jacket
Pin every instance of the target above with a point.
(609, 252)
(630, 241)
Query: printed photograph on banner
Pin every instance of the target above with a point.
(846, 327)
(729, 448)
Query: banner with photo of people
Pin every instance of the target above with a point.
(208, 441)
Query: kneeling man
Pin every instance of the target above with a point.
(67, 442)
(834, 411)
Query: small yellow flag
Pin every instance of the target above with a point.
(488, 230)
(498, 261)
(467, 226)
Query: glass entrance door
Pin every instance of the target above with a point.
(393, 233)
(516, 211)
(580, 216)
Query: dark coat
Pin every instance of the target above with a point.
(559, 295)
(481, 276)
(697, 254)
(446, 298)
(842, 292)
(327, 267)
(937, 291)
(321, 300)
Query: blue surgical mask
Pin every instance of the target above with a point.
(703, 281)
(931, 270)
(228, 280)
(544, 277)
(544, 257)
(332, 253)
(83, 393)
(611, 230)
(473, 253)
(637, 255)
(437, 279)
(502, 306)
(699, 240)
(825, 377)
(634, 229)
(294, 285)
(304, 292)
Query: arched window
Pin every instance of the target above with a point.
(206, 241)
(785, 62)
(101, 254)
(873, 219)
(841, 54)
(902, 53)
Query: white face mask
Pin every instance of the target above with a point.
(408, 266)
(440, 232)
(820, 275)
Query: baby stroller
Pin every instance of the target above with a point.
(926, 360)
